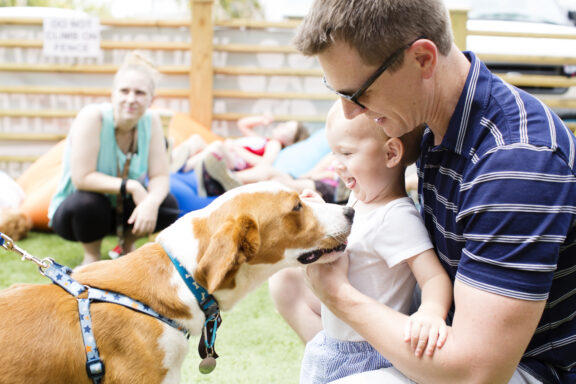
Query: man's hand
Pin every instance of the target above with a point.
(327, 279)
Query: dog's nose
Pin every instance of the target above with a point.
(349, 214)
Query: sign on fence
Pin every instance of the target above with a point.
(71, 37)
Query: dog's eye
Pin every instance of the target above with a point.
(297, 207)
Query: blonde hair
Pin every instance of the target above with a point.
(375, 28)
(137, 61)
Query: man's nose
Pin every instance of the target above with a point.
(351, 109)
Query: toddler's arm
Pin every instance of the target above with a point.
(426, 328)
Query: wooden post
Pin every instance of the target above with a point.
(201, 72)
(459, 20)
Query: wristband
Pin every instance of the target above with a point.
(123, 187)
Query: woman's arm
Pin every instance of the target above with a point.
(148, 201)
(246, 124)
(84, 147)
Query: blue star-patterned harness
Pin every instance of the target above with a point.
(60, 275)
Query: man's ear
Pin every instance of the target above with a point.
(426, 54)
(394, 152)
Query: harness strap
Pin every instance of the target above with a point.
(94, 365)
(60, 275)
(95, 294)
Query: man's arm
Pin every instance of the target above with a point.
(484, 345)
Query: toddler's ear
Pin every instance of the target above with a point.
(394, 152)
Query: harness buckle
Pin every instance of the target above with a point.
(95, 369)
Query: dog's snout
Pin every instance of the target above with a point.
(349, 214)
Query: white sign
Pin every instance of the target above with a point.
(72, 37)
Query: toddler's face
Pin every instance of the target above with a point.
(360, 158)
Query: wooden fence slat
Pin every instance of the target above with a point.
(18, 159)
(166, 23)
(237, 116)
(256, 71)
(175, 93)
(37, 113)
(200, 70)
(7, 136)
(528, 59)
(161, 46)
(539, 80)
(234, 94)
(83, 91)
(522, 34)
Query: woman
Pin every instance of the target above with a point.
(112, 150)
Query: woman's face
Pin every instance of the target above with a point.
(131, 96)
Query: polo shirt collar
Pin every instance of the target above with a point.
(459, 136)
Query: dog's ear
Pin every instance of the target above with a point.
(235, 243)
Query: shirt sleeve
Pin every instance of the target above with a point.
(401, 233)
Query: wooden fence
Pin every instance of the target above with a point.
(216, 72)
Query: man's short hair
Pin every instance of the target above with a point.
(375, 28)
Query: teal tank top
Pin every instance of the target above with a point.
(110, 157)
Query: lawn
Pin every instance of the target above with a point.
(254, 343)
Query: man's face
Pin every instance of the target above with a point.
(392, 101)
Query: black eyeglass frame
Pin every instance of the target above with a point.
(385, 65)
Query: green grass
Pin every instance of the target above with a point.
(254, 343)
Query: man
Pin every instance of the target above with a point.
(497, 190)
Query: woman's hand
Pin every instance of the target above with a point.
(145, 214)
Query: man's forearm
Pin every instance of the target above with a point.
(455, 362)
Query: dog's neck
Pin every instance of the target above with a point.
(146, 275)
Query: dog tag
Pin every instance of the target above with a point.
(207, 365)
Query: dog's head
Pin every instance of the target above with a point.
(249, 233)
(14, 223)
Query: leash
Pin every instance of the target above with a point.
(7, 243)
(60, 275)
(211, 310)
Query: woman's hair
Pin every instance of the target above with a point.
(137, 61)
(301, 133)
(375, 28)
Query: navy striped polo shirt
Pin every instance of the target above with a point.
(498, 197)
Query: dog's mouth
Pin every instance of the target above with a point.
(312, 256)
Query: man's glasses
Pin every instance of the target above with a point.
(385, 65)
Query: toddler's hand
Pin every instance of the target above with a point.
(425, 332)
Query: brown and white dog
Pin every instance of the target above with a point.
(229, 247)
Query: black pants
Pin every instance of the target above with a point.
(89, 216)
